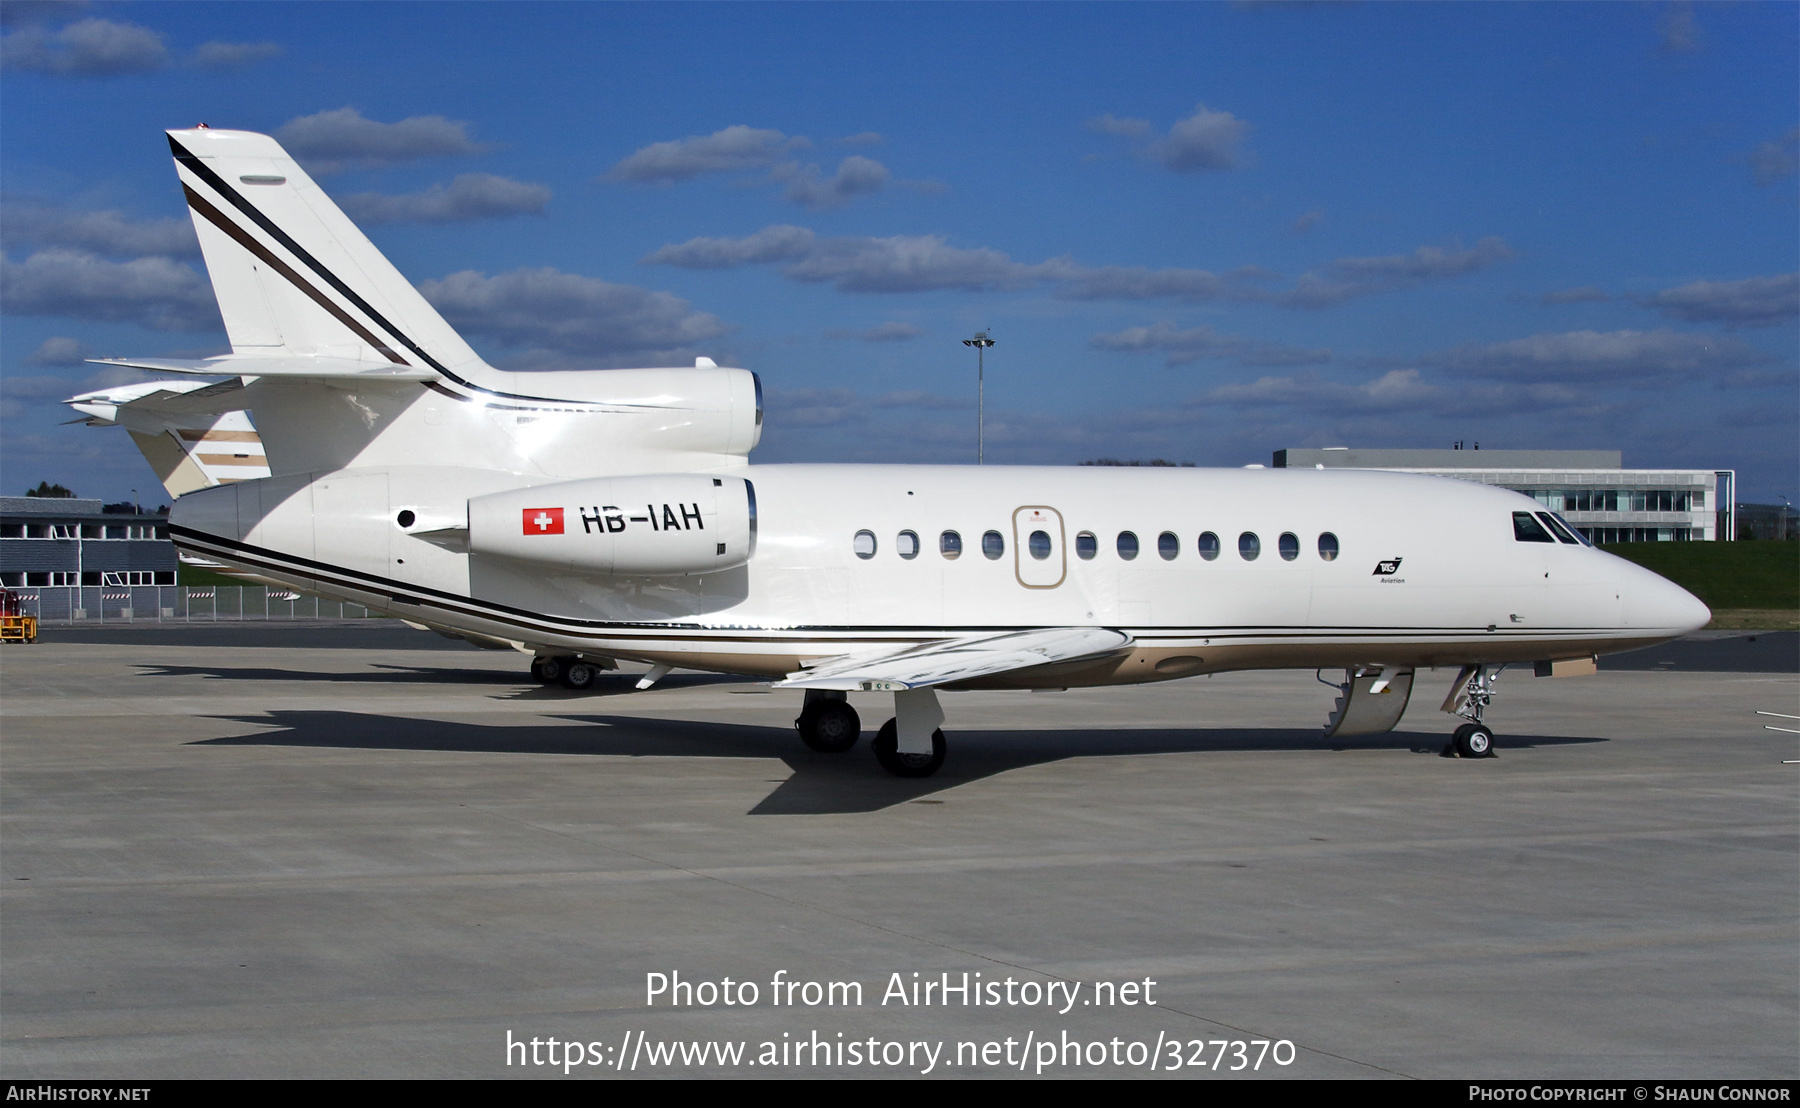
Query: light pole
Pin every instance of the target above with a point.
(980, 342)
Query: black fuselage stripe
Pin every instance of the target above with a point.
(243, 238)
(423, 596)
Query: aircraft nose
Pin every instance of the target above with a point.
(1656, 602)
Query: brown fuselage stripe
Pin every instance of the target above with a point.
(242, 237)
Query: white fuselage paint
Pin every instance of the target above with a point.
(1465, 590)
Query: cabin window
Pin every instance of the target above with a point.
(1039, 545)
(907, 543)
(950, 545)
(1528, 529)
(992, 545)
(1289, 545)
(1249, 546)
(1128, 545)
(1558, 529)
(1086, 546)
(1209, 546)
(1328, 546)
(1168, 545)
(864, 545)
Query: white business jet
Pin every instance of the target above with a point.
(587, 517)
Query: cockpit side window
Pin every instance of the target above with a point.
(1527, 529)
(1559, 528)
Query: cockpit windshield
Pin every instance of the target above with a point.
(1528, 529)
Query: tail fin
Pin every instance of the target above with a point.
(293, 275)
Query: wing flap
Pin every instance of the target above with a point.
(945, 661)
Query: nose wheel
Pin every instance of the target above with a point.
(1473, 740)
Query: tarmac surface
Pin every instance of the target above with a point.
(355, 850)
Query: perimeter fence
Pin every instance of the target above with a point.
(71, 604)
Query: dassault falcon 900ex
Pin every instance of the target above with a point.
(586, 517)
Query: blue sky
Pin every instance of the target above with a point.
(1196, 232)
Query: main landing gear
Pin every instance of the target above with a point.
(827, 722)
(1469, 698)
(909, 745)
(569, 671)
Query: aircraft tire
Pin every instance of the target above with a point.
(1474, 740)
(548, 671)
(580, 676)
(887, 752)
(829, 726)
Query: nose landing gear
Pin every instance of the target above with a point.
(1469, 698)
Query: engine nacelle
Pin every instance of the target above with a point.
(681, 523)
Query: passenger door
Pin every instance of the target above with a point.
(1040, 560)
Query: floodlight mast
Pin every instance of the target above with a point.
(980, 342)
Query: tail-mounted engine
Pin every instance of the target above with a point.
(654, 525)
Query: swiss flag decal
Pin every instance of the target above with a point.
(543, 521)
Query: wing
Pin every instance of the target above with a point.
(944, 661)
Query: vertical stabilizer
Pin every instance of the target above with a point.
(293, 275)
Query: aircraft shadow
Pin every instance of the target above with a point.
(817, 784)
(522, 687)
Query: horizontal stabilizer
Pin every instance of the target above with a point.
(946, 661)
(259, 366)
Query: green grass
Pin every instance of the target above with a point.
(201, 578)
(1724, 574)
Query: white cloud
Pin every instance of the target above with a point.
(902, 263)
(855, 176)
(58, 351)
(233, 57)
(1751, 302)
(1206, 141)
(470, 196)
(1197, 343)
(891, 331)
(88, 48)
(567, 313)
(1775, 160)
(1677, 31)
(1115, 282)
(158, 293)
(1348, 278)
(924, 401)
(814, 407)
(735, 148)
(104, 232)
(1632, 357)
(328, 141)
(781, 242)
(913, 263)
(1306, 221)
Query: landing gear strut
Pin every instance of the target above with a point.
(827, 722)
(1469, 698)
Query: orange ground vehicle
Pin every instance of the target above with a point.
(15, 624)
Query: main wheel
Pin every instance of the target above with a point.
(829, 726)
(547, 670)
(580, 676)
(887, 752)
(1474, 740)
